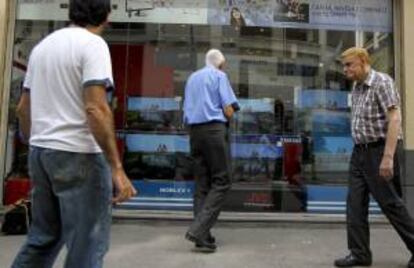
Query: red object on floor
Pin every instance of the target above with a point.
(16, 188)
(292, 161)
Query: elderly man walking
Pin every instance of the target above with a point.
(374, 167)
(209, 104)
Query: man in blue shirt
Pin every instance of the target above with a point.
(209, 104)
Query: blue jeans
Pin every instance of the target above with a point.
(71, 205)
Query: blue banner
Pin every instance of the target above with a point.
(170, 189)
(157, 143)
(323, 99)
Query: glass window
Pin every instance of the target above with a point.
(291, 141)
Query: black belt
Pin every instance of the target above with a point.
(208, 123)
(380, 142)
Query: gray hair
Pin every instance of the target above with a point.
(215, 58)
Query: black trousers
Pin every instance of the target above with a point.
(365, 180)
(210, 150)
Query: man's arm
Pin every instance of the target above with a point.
(228, 99)
(100, 120)
(23, 114)
(394, 124)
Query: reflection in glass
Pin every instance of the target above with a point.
(293, 128)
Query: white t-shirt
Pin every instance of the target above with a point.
(60, 67)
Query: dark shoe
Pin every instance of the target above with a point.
(201, 244)
(211, 239)
(411, 263)
(350, 261)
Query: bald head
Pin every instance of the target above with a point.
(215, 58)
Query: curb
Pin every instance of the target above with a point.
(120, 215)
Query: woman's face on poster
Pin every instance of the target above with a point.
(236, 14)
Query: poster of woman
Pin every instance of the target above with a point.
(239, 13)
(236, 18)
(372, 15)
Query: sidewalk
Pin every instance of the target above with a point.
(161, 244)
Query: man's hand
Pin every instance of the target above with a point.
(387, 168)
(228, 112)
(122, 185)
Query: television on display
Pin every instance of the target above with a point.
(154, 114)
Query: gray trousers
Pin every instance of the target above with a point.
(365, 180)
(210, 150)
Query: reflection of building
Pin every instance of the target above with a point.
(278, 71)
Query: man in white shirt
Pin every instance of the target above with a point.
(73, 152)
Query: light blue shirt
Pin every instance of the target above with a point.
(207, 93)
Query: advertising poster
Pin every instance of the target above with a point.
(367, 15)
(162, 195)
(239, 13)
(166, 189)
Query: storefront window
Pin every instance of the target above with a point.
(291, 141)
